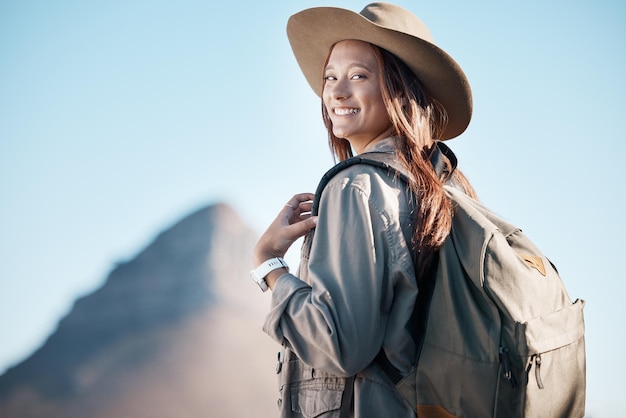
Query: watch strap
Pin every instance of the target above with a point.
(260, 273)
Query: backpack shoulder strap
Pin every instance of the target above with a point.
(442, 159)
(376, 159)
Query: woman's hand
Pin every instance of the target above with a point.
(292, 222)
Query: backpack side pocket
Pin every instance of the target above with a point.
(548, 363)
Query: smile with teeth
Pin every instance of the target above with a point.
(345, 111)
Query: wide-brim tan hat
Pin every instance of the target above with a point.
(313, 32)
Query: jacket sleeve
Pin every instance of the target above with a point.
(337, 323)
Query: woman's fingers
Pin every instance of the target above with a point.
(306, 206)
(293, 221)
(300, 228)
(298, 200)
(298, 208)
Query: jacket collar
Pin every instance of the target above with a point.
(443, 161)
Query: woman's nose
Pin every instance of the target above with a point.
(338, 89)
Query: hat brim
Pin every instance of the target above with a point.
(313, 32)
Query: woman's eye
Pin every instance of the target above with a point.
(358, 76)
(329, 77)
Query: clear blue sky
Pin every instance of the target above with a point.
(118, 118)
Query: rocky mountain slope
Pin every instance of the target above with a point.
(175, 332)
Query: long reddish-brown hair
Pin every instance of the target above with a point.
(416, 122)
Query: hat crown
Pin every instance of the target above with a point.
(396, 18)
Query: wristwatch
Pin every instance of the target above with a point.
(260, 273)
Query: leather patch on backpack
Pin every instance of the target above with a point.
(534, 262)
(433, 411)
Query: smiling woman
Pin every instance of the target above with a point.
(352, 95)
(387, 90)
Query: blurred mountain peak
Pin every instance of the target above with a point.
(156, 336)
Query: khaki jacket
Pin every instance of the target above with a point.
(353, 294)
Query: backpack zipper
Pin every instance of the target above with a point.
(536, 358)
(537, 371)
(506, 364)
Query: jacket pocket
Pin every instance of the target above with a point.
(309, 393)
(318, 398)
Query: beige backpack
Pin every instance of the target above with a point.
(500, 335)
(503, 338)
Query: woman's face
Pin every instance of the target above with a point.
(352, 94)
